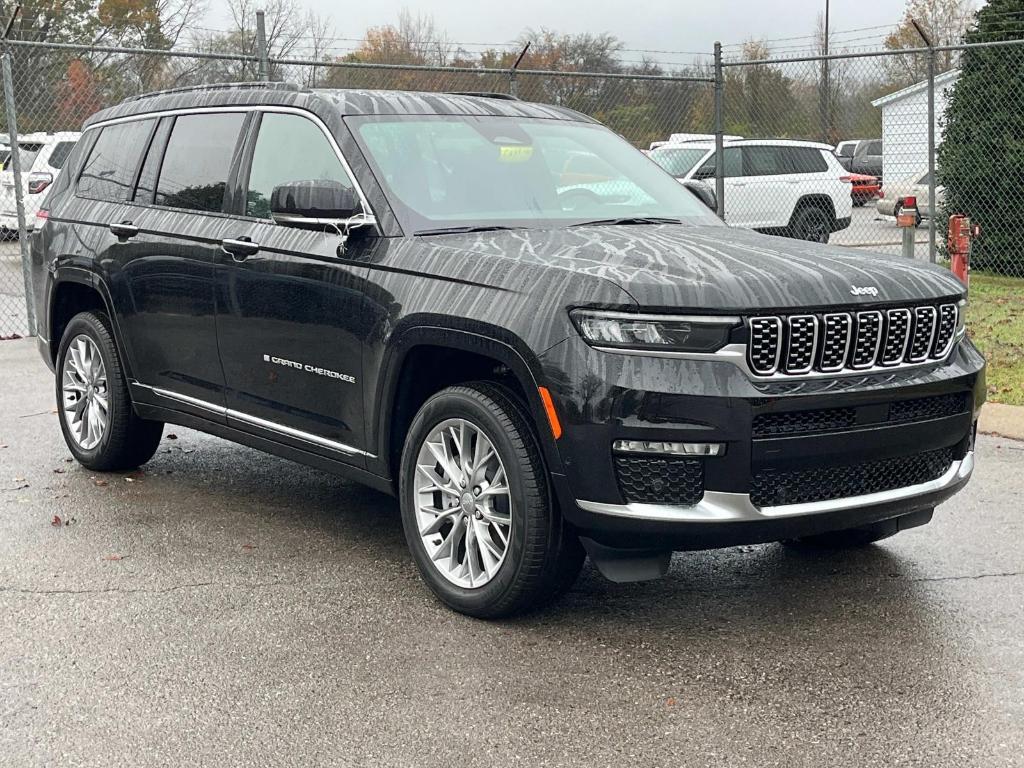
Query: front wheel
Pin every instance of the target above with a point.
(476, 509)
(93, 403)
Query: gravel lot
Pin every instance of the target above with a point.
(223, 607)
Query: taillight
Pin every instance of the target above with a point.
(38, 181)
(42, 214)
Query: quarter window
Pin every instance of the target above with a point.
(289, 148)
(196, 164)
(60, 153)
(109, 172)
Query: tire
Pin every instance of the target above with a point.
(852, 538)
(124, 441)
(542, 556)
(813, 224)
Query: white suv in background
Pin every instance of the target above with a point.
(42, 157)
(780, 187)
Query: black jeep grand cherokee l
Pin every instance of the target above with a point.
(417, 291)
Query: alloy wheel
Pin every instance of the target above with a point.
(84, 392)
(464, 511)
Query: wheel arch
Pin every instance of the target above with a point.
(478, 352)
(814, 200)
(73, 290)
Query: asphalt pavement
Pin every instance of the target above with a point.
(222, 607)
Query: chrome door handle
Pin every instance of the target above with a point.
(124, 230)
(239, 249)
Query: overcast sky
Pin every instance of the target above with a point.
(663, 25)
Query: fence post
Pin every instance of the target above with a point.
(12, 129)
(719, 134)
(931, 155)
(261, 46)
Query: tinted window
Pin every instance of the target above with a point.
(764, 161)
(109, 172)
(846, 150)
(60, 153)
(678, 160)
(146, 186)
(733, 164)
(195, 168)
(289, 148)
(805, 160)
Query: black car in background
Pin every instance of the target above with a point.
(425, 292)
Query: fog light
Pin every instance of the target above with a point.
(670, 449)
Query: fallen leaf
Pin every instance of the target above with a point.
(249, 547)
(114, 558)
(129, 479)
(171, 436)
(56, 522)
(58, 471)
(101, 483)
(671, 701)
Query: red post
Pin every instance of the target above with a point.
(959, 246)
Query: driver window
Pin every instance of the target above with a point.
(289, 148)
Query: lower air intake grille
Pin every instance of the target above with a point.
(772, 489)
(924, 408)
(803, 422)
(653, 480)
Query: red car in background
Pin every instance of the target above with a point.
(864, 188)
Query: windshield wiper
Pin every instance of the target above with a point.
(627, 220)
(461, 230)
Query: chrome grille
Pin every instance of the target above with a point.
(836, 345)
(948, 318)
(897, 336)
(924, 334)
(765, 344)
(866, 340)
(863, 341)
(803, 338)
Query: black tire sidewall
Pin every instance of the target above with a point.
(806, 218)
(456, 403)
(90, 325)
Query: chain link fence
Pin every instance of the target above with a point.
(943, 125)
(875, 109)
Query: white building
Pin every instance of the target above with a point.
(905, 126)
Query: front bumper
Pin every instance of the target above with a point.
(658, 399)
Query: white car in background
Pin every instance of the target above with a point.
(42, 157)
(780, 187)
(913, 186)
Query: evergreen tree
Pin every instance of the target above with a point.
(981, 158)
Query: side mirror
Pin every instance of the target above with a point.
(704, 193)
(313, 202)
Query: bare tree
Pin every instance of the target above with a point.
(944, 21)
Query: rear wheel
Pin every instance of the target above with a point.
(93, 405)
(813, 224)
(476, 508)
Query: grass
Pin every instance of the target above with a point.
(995, 322)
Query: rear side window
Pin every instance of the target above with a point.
(764, 161)
(60, 153)
(109, 171)
(197, 161)
(846, 150)
(733, 165)
(28, 153)
(805, 160)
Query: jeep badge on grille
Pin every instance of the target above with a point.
(866, 290)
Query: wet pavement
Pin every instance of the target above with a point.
(224, 607)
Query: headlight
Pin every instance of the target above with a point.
(669, 333)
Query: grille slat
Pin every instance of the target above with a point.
(777, 488)
(835, 346)
(924, 333)
(803, 339)
(865, 341)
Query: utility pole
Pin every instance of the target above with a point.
(261, 47)
(826, 89)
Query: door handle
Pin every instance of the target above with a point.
(239, 249)
(124, 230)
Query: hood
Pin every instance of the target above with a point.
(720, 268)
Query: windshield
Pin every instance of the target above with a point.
(678, 161)
(462, 171)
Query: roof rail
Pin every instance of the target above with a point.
(261, 84)
(485, 95)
